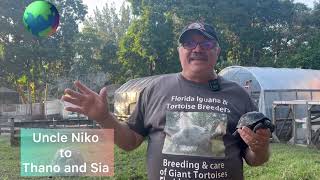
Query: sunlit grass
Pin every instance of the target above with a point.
(287, 162)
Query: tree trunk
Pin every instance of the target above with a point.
(30, 100)
(22, 95)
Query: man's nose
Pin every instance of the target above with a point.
(197, 48)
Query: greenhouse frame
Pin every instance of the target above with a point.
(275, 84)
(264, 84)
(127, 95)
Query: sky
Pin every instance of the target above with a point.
(309, 3)
(92, 4)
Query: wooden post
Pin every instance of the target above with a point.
(294, 130)
(274, 134)
(12, 131)
(308, 123)
(94, 124)
(45, 100)
(273, 113)
(54, 123)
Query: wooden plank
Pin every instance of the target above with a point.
(283, 103)
(291, 90)
(314, 117)
(75, 122)
(76, 127)
(315, 123)
(5, 125)
(32, 124)
(302, 145)
(284, 119)
(8, 131)
(44, 124)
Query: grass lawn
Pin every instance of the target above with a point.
(287, 162)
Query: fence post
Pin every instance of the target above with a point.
(11, 131)
(54, 123)
(294, 125)
(309, 127)
(94, 124)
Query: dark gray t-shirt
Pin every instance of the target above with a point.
(190, 128)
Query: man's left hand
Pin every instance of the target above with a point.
(257, 142)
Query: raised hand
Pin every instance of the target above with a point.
(88, 102)
(95, 106)
(257, 142)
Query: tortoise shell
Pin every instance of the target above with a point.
(251, 118)
(254, 120)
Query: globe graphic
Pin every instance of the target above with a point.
(41, 18)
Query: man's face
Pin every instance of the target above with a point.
(199, 59)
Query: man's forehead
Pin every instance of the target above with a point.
(190, 34)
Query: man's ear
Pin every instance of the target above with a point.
(179, 48)
(218, 50)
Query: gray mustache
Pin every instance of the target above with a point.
(198, 56)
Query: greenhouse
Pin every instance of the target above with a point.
(266, 84)
(127, 95)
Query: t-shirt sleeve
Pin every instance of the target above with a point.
(136, 119)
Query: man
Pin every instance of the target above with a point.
(188, 117)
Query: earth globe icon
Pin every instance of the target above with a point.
(41, 18)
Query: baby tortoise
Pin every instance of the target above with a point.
(254, 120)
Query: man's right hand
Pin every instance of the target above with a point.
(95, 106)
(88, 102)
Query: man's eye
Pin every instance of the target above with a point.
(207, 44)
(189, 43)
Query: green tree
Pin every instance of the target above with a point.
(97, 45)
(30, 62)
(252, 32)
(149, 47)
(303, 49)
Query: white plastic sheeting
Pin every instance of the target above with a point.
(127, 95)
(274, 84)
